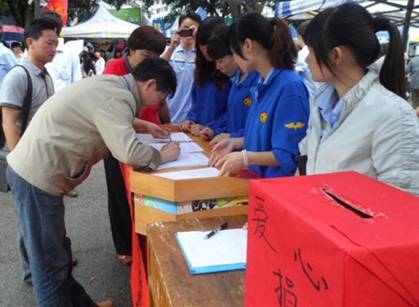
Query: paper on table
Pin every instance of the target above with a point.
(184, 147)
(224, 251)
(147, 138)
(186, 159)
(191, 174)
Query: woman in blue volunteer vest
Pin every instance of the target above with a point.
(277, 120)
(210, 89)
(239, 97)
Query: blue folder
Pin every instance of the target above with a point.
(204, 269)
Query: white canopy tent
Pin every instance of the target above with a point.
(101, 25)
(403, 12)
(295, 7)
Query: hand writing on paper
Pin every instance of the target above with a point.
(207, 133)
(186, 125)
(220, 150)
(170, 152)
(230, 164)
(156, 131)
(196, 128)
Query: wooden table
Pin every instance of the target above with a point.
(170, 282)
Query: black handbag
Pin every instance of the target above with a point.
(24, 116)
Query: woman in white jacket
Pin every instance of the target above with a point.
(359, 120)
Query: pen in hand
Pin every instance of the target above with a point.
(170, 137)
(215, 230)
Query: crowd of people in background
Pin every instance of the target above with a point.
(269, 105)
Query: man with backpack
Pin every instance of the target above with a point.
(41, 39)
(24, 89)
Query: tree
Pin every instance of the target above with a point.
(19, 9)
(23, 10)
(83, 9)
(237, 7)
(214, 7)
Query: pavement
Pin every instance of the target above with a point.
(87, 221)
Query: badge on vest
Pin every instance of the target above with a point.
(248, 101)
(295, 125)
(263, 117)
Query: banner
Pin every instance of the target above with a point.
(59, 6)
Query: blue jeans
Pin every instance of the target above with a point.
(42, 227)
(23, 256)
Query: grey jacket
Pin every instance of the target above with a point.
(377, 135)
(76, 128)
(413, 70)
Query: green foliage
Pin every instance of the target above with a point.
(19, 9)
(83, 9)
(24, 12)
(213, 7)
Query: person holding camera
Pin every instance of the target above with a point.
(181, 55)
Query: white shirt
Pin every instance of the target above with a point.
(65, 67)
(100, 66)
(302, 69)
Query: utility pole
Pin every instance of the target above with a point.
(37, 10)
(409, 10)
(235, 6)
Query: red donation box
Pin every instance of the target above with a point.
(332, 240)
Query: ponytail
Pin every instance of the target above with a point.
(273, 35)
(392, 72)
(283, 52)
(352, 26)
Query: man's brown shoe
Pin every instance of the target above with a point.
(105, 304)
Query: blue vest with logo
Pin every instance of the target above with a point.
(277, 121)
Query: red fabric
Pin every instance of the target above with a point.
(116, 67)
(246, 173)
(119, 68)
(139, 282)
(59, 6)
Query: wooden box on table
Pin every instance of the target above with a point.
(146, 184)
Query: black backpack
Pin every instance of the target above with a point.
(24, 116)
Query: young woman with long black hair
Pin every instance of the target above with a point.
(210, 89)
(277, 120)
(360, 120)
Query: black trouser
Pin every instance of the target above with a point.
(119, 211)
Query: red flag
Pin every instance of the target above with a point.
(59, 6)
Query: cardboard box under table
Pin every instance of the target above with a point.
(178, 192)
(332, 240)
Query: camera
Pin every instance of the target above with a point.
(186, 32)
